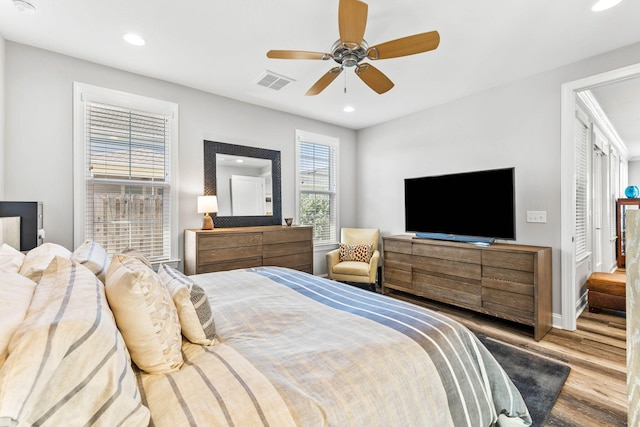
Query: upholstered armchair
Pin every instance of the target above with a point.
(356, 260)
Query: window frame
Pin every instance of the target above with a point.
(334, 143)
(83, 93)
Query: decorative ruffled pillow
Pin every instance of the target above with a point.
(38, 259)
(93, 256)
(194, 311)
(10, 258)
(362, 253)
(16, 292)
(145, 314)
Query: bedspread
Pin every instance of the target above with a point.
(297, 349)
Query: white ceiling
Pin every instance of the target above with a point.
(220, 46)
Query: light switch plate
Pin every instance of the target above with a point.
(536, 216)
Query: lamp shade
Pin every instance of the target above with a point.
(207, 204)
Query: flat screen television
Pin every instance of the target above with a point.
(476, 206)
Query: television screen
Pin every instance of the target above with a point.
(480, 203)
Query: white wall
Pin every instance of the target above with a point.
(634, 173)
(2, 102)
(513, 125)
(38, 163)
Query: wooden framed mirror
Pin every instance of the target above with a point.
(251, 169)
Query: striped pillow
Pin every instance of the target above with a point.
(94, 257)
(145, 314)
(16, 292)
(10, 258)
(67, 362)
(194, 311)
(38, 258)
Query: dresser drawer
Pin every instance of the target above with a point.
(285, 235)
(228, 240)
(471, 256)
(509, 260)
(208, 256)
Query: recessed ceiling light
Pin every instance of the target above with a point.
(349, 109)
(134, 39)
(604, 5)
(24, 6)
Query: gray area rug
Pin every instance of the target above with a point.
(539, 379)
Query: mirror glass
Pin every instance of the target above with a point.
(243, 185)
(247, 183)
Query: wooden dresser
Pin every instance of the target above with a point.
(243, 247)
(509, 281)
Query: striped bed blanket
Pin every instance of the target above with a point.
(300, 350)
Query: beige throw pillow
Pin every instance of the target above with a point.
(145, 314)
(93, 256)
(194, 310)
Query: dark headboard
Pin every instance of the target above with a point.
(30, 214)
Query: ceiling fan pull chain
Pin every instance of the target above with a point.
(345, 83)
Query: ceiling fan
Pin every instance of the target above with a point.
(351, 49)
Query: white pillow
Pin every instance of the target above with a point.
(10, 258)
(38, 258)
(16, 292)
(94, 257)
(194, 310)
(145, 314)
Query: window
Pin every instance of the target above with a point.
(124, 165)
(316, 185)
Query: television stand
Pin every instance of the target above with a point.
(509, 281)
(480, 241)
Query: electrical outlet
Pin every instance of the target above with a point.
(536, 216)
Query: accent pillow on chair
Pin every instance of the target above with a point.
(361, 253)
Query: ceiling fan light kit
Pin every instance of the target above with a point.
(351, 49)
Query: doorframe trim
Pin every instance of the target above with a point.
(569, 302)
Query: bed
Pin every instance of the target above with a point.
(90, 340)
(296, 349)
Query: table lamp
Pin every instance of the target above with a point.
(207, 205)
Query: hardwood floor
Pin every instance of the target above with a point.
(595, 393)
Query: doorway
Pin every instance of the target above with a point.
(570, 303)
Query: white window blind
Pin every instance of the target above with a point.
(317, 185)
(128, 180)
(582, 185)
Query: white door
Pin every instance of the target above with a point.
(583, 221)
(599, 232)
(247, 195)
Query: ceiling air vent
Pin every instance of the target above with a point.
(273, 80)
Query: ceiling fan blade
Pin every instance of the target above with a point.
(374, 78)
(409, 45)
(324, 81)
(352, 20)
(298, 54)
